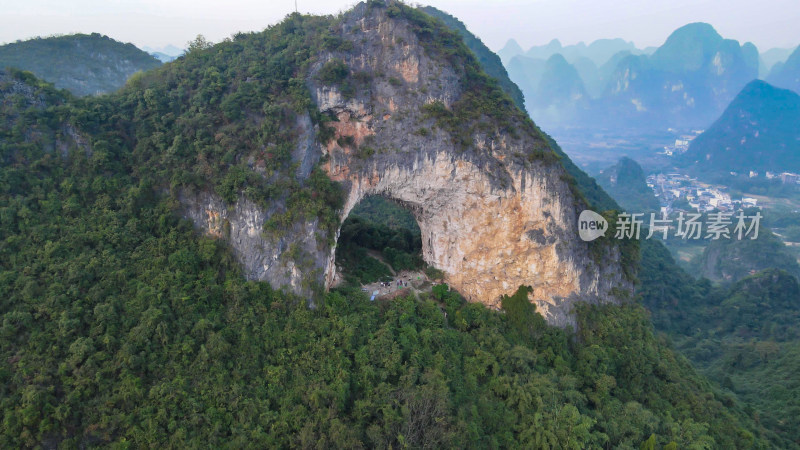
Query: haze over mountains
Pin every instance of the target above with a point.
(772, 57)
(598, 51)
(594, 65)
(685, 83)
(787, 74)
(625, 181)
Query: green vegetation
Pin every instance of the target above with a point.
(333, 71)
(490, 62)
(629, 249)
(385, 229)
(83, 64)
(121, 327)
(743, 185)
(731, 260)
(625, 181)
(126, 328)
(670, 293)
(742, 336)
(28, 128)
(792, 233)
(215, 120)
(379, 210)
(745, 337)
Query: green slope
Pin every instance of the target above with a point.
(626, 182)
(83, 64)
(122, 327)
(489, 61)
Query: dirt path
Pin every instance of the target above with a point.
(377, 255)
(403, 283)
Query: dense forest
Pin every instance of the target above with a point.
(377, 240)
(731, 260)
(121, 326)
(742, 335)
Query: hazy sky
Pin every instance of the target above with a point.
(155, 23)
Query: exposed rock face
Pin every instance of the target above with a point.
(491, 218)
(10, 86)
(275, 260)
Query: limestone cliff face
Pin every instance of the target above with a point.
(491, 217)
(293, 262)
(298, 257)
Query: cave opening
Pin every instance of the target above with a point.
(380, 248)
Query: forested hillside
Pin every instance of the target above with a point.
(743, 336)
(83, 64)
(122, 326)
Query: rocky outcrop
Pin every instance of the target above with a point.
(294, 261)
(492, 215)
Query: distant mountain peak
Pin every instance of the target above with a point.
(787, 74)
(509, 51)
(695, 30)
(512, 46)
(758, 131)
(687, 82)
(557, 59)
(689, 48)
(757, 87)
(555, 43)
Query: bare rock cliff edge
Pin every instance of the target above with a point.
(494, 205)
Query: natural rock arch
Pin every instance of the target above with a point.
(490, 217)
(494, 205)
(487, 238)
